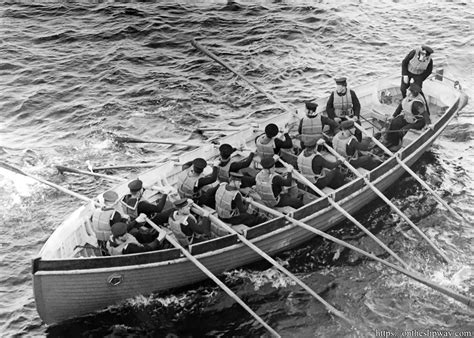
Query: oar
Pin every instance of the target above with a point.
(39, 179)
(386, 200)
(213, 277)
(169, 238)
(304, 180)
(63, 169)
(125, 166)
(221, 62)
(411, 172)
(461, 298)
(128, 139)
(244, 240)
(203, 129)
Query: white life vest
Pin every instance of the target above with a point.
(264, 188)
(223, 173)
(407, 104)
(224, 200)
(187, 181)
(343, 104)
(101, 222)
(415, 66)
(115, 250)
(340, 143)
(305, 165)
(175, 226)
(311, 128)
(130, 210)
(265, 146)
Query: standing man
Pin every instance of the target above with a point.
(343, 104)
(311, 126)
(417, 65)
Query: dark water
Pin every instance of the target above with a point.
(74, 75)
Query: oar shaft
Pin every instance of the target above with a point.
(244, 240)
(214, 278)
(411, 172)
(159, 141)
(386, 200)
(83, 172)
(304, 180)
(221, 62)
(461, 298)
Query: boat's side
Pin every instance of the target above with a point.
(85, 286)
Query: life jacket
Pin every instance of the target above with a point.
(129, 205)
(407, 104)
(265, 146)
(187, 181)
(264, 188)
(223, 173)
(224, 200)
(340, 143)
(116, 249)
(343, 104)
(311, 128)
(415, 66)
(175, 226)
(305, 165)
(101, 222)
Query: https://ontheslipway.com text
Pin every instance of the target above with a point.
(423, 333)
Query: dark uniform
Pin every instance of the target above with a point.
(415, 68)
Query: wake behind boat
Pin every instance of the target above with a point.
(71, 279)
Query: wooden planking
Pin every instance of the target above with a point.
(214, 244)
(265, 228)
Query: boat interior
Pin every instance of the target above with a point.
(75, 239)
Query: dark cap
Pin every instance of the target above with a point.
(267, 162)
(135, 185)
(110, 196)
(311, 142)
(341, 80)
(427, 49)
(199, 164)
(271, 130)
(226, 150)
(181, 203)
(311, 106)
(347, 124)
(119, 229)
(415, 88)
(236, 175)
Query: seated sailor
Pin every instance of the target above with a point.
(227, 164)
(134, 204)
(317, 169)
(268, 144)
(311, 126)
(105, 217)
(121, 242)
(270, 186)
(185, 227)
(411, 113)
(346, 144)
(230, 205)
(192, 183)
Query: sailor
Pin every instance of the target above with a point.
(228, 164)
(270, 186)
(192, 183)
(411, 113)
(134, 204)
(185, 227)
(230, 205)
(104, 217)
(311, 126)
(268, 144)
(416, 67)
(346, 144)
(121, 242)
(317, 169)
